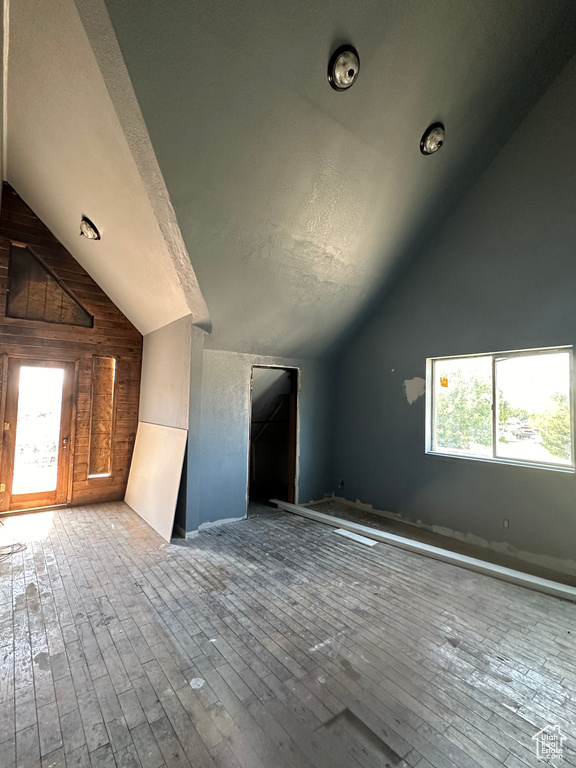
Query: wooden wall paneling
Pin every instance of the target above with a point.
(112, 336)
(53, 304)
(36, 291)
(65, 306)
(18, 299)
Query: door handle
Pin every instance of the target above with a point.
(65, 441)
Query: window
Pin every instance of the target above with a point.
(509, 407)
(35, 293)
(102, 416)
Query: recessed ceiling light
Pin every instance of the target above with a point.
(88, 229)
(343, 68)
(433, 139)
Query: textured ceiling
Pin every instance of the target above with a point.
(69, 155)
(298, 204)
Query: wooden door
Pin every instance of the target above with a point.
(37, 431)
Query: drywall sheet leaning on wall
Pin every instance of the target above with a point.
(155, 475)
(165, 387)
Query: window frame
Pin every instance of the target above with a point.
(494, 459)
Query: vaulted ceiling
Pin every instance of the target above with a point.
(74, 147)
(297, 204)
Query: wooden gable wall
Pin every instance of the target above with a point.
(112, 336)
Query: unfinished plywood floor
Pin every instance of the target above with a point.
(269, 642)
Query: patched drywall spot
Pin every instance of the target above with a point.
(414, 388)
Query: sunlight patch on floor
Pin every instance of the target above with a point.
(25, 528)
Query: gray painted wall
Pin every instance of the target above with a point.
(296, 203)
(500, 275)
(224, 431)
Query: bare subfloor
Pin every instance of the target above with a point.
(269, 642)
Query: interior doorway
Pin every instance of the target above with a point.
(37, 431)
(273, 436)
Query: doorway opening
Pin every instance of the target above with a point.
(273, 436)
(37, 426)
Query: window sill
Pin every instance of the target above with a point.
(568, 469)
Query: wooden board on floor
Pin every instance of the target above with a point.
(463, 561)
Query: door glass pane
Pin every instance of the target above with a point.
(534, 408)
(37, 429)
(463, 406)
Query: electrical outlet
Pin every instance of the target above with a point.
(506, 523)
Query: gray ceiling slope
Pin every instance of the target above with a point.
(269, 387)
(77, 147)
(296, 202)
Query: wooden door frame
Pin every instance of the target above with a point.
(9, 409)
(293, 429)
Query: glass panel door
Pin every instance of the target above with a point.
(36, 448)
(37, 429)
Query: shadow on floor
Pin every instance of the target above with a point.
(261, 509)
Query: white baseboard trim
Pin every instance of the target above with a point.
(560, 565)
(463, 561)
